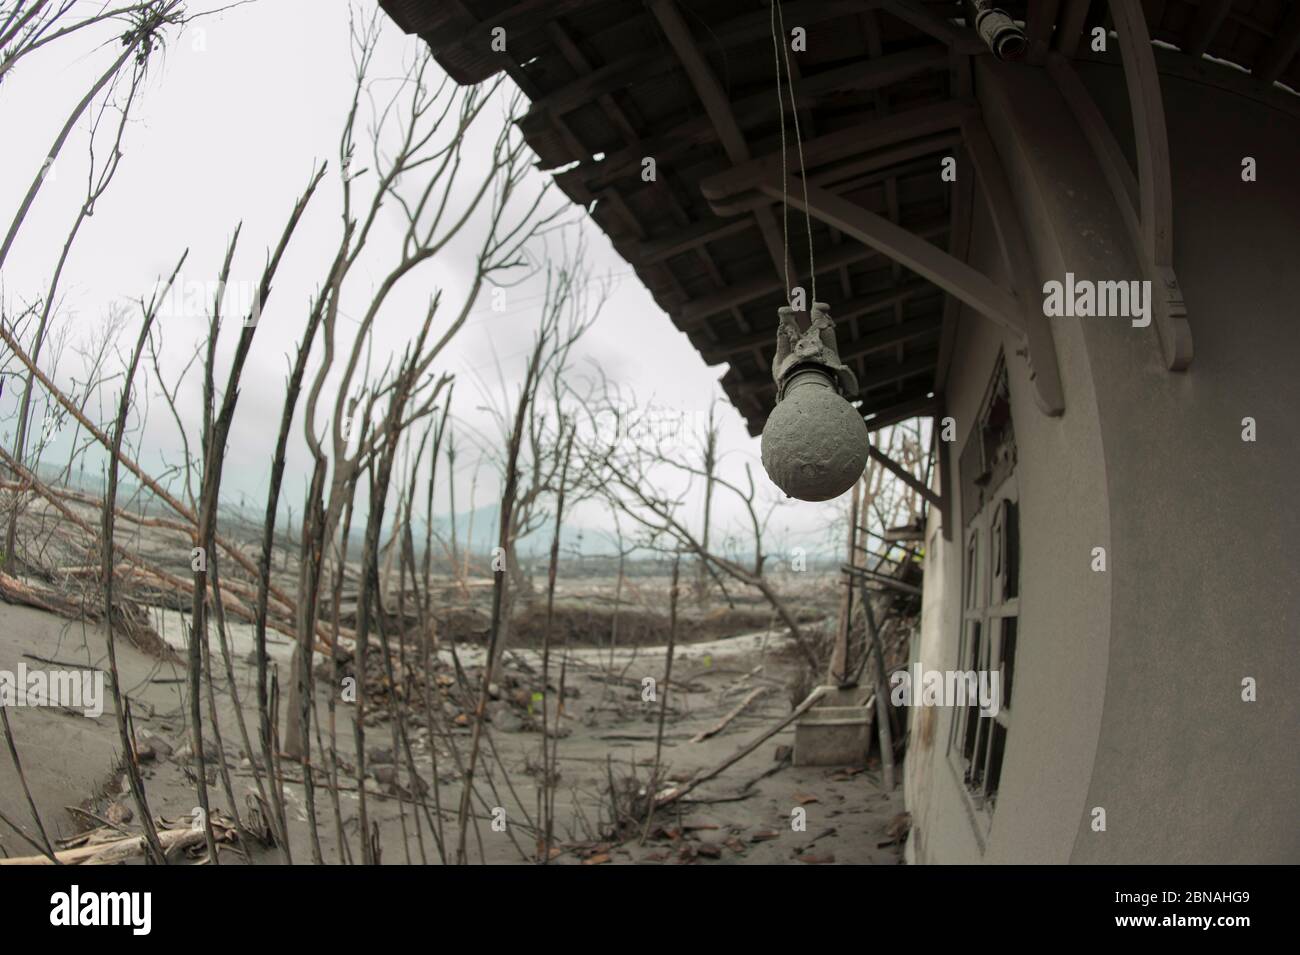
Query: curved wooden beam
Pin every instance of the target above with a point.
(908, 249)
(1170, 312)
(1155, 188)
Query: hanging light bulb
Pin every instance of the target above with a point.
(815, 443)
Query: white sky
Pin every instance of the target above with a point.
(233, 120)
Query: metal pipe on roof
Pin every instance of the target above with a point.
(1000, 33)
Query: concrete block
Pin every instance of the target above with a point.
(836, 731)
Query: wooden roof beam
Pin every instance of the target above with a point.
(874, 377)
(842, 312)
(517, 19)
(1170, 314)
(1277, 55)
(894, 411)
(889, 337)
(891, 162)
(684, 240)
(1155, 186)
(1209, 17)
(904, 475)
(907, 130)
(1041, 19)
(578, 61)
(881, 375)
(959, 38)
(640, 66)
(1070, 27)
(693, 313)
(860, 76)
(909, 249)
(706, 85)
(718, 108)
(958, 247)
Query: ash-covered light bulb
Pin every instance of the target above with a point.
(815, 443)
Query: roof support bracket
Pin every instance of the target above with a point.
(1145, 207)
(905, 247)
(954, 276)
(1154, 178)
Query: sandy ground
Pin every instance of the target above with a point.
(71, 760)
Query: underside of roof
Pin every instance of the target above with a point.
(879, 95)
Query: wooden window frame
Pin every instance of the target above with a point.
(990, 615)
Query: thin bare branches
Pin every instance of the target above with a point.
(110, 498)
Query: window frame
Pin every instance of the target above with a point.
(989, 628)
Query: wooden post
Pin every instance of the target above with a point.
(839, 668)
(882, 690)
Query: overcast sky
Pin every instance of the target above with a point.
(235, 116)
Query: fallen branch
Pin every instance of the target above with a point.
(103, 846)
(675, 793)
(726, 720)
(289, 605)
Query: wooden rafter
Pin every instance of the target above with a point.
(863, 169)
(1209, 17)
(884, 411)
(873, 377)
(844, 311)
(1069, 28)
(909, 128)
(669, 144)
(1281, 50)
(891, 336)
(1152, 142)
(718, 108)
(701, 233)
(694, 312)
(908, 248)
(903, 474)
(1156, 201)
(1040, 20)
(958, 247)
(944, 458)
(654, 226)
(1170, 316)
(959, 38)
(645, 64)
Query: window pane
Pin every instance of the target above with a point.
(997, 745)
(1011, 528)
(972, 711)
(1008, 653)
(971, 570)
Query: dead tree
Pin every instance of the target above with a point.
(41, 24)
(430, 120)
(572, 301)
(109, 512)
(144, 24)
(634, 476)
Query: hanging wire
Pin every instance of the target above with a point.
(780, 113)
(778, 42)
